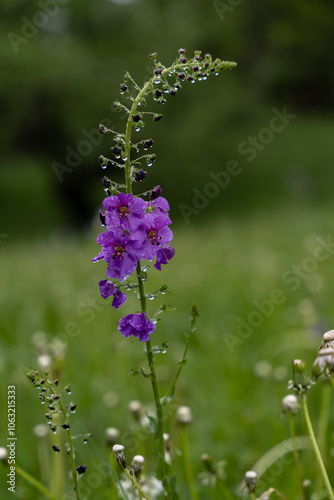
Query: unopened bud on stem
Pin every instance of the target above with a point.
(250, 480)
(290, 404)
(118, 450)
(137, 466)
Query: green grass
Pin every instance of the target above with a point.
(224, 266)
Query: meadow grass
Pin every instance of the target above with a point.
(235, 391)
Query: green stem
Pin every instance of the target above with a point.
(323, 422)
(187, 463)
(136, 485)
(57, 483)
(71, 453)
(32, 480)
(133, 110)
(295, 454)
(181, 362)
(316, 448)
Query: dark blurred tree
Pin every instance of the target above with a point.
(62, 63)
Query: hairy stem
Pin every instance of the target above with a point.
(136, 485)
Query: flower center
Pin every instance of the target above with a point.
(123, 212)
(118, 252)
(152, 235)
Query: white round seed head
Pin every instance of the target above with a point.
(184, 415)
(290, 403)
(138, 460)
(117, 448)
(41, 430)
(250, 475)
(3, 453)
(328, 336)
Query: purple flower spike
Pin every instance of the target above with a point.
(136, 325)
(164, 254)
(107, 288)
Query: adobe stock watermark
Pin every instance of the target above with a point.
(84, 148)
(222, 8)
(250, 147)
(30, 27)
(293, 278)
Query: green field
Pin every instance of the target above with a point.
(233, 381)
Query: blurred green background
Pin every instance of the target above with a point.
(61, 79)
(58, 82)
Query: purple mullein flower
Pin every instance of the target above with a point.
(164, 254)
(156, 233)
(107, 289)
(124, 210)
(137, 325)
(120, 252)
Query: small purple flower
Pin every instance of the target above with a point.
(107, 288)
(137, 325)
(120, 252)
(164, 254)
(124, 210)
(156, 234)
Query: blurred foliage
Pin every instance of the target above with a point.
(61, 67)
(234, 389)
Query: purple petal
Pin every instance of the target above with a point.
(137, 325)
(164, 254)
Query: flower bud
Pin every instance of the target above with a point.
(147, 144)
(81, 469)
(117, 151)
(324, 362)
(118, 450)
(102, 217)
(102, 129)
(137, 465)
(290, 404)
(155, 193)
(140, 175)
(301, 382)
(250, 480)
(183, 415)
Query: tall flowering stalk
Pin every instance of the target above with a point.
(137, 227)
